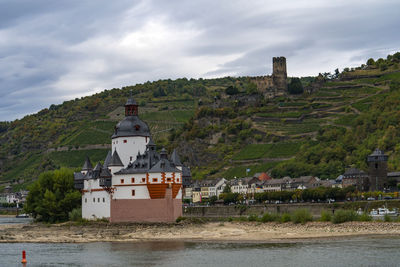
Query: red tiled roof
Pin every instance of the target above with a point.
(264, 177)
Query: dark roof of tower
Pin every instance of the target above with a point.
(79, 176)
(108, 159)
(105, 173)
(131, 102)
(163, 154)
(87, 165)
(115, 160)
(377, 152)
(131, 126)
(175, 158)
(164, 165)
(98, 167)
(186, 172)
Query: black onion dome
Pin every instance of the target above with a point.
(131, 126)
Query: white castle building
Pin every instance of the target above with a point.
(135, 182)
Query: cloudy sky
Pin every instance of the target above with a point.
(51, 51)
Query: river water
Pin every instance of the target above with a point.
(360, 251)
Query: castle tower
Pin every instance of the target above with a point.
(279, 73)
(377, 163)
(131, 135)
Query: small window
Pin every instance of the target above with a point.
(85, 200)
(122, 181)
(132, 180)
(98, 199)
(143, 180)
(125, 141)
(130, 158)
(104, 200)
(137, 127)
(155, 180)
(94, 200)
(168, 179)
(133, 192)
(177, 179)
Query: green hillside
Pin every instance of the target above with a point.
(335, 123)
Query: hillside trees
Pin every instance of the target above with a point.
(53, 196)
(295, 86)
(231, 90)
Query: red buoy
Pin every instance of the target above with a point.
(23, 257)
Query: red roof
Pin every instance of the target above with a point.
(264, 177)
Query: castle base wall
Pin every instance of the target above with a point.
(146, 210)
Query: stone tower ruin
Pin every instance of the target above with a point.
(276, 84)
(279, 73)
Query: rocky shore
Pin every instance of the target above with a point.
(212, 231)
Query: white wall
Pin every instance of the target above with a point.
(95, 204)
(133, 145)
(124, 190)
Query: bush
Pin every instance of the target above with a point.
(252, 218)
(268, 217)
(285, 217)
(301, 216)
(342, 216)
(231, 90)
(75, 214)
(387, 218)
(180, 219)
(326, 216)
(242, 219)
(365, 217)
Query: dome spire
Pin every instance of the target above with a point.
(131, 107)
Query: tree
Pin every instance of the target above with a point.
(231, 90)
(370, 62)
(53, 196)
(337, 72)
(227, 189)
(295, 86)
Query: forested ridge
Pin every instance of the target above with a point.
(221, 127)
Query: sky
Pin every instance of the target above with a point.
(52, 51)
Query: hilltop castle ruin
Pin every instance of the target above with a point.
(275, 84)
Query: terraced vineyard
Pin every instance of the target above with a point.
(224, 138)
(296, 121)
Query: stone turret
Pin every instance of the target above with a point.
(279, 73)
(377, 163)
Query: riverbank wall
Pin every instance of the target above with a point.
(314, 208)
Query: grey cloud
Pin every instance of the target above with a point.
(51, 50)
